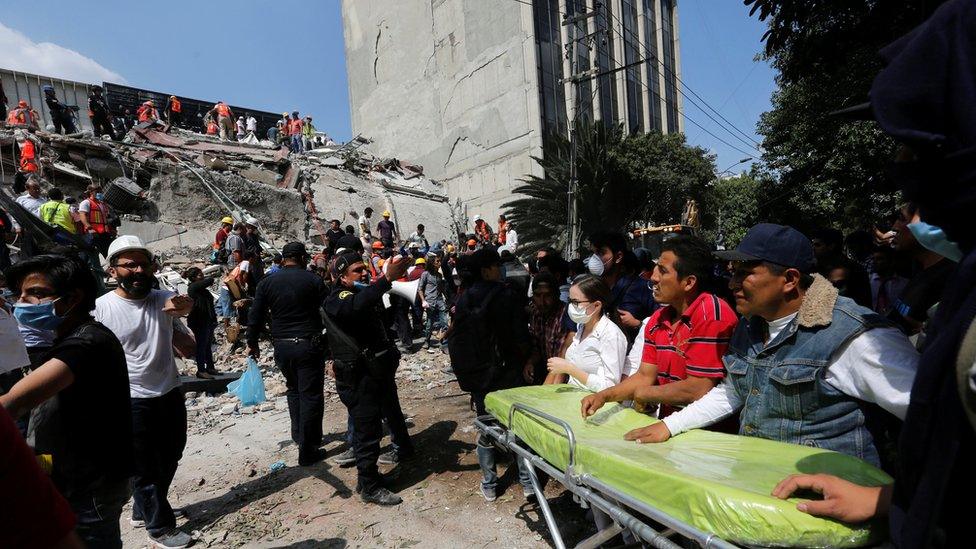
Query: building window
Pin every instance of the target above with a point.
(653, 62)
(632, 53)
(606, 84)
(670, 76)
(584, 99)
(552, 94)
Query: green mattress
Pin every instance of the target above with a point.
(717, 483)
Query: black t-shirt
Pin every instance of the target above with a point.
(922, 291)
(87, 427)
(203, 312)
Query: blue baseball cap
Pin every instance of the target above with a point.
(777, 244)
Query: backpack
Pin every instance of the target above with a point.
(473, 346)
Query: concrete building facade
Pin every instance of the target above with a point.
(471, 88)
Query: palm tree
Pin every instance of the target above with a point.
(541, 212)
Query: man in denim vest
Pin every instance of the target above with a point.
(803, 362)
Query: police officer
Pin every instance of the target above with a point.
(294, 297)
(365, 363)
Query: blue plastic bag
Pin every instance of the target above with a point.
(250, 386)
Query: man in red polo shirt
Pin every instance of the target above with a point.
(683, 342)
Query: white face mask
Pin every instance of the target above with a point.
(578, 314)
(595, 265)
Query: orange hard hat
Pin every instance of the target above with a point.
(472, 242)
(377, 245)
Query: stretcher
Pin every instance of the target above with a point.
(710, 488)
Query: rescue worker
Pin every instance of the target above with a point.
(174, 113)
(147, 112)
(28, 153)
(99, 114)
(225, 120)
(22, 116)
(61, 114)
(295, 126)
(365, 362)
(95, 218)
(308, 134)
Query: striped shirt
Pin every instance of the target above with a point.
(692, 344)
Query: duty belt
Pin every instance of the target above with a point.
(295, 339)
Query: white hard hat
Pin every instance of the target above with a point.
(252, 222)
(126, 243)
(477, 218)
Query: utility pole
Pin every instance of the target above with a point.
(575, 78)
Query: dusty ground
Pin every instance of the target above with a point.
(232, 498)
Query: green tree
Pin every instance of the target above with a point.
(732, 206)
(827, 170)
(623, 182)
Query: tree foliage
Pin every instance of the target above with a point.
(623, 182)
(828, 170)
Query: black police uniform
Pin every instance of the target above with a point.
(294, 297)
(365, 365)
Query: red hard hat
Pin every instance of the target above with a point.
(22, 103)
(377, 245)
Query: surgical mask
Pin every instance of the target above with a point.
(99, 196)
(595, 265)
(40, 316)
(934, 239)
(360, 285)
(578, 314)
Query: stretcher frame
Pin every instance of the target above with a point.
(590, 492)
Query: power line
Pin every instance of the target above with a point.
(749, 142)
(648, 56)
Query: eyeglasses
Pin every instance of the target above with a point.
(578, 301)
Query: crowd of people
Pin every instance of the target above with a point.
(862, 344)
(297, 134)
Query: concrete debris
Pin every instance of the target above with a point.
(187, 181)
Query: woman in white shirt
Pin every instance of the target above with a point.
(595, 359)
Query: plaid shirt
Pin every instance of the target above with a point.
(547, 332)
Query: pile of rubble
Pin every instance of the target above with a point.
(188, 181)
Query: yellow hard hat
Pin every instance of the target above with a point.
(227, 219)
(420, 261)
(386, 213)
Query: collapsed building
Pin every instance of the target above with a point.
(172, 189)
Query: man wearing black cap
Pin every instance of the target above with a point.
(294, 297)
(803, 361)
(365, 363)
(923, 99)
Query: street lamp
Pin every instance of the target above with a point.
(743, 161)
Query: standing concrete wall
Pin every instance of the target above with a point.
(22, 85)
(450, 85)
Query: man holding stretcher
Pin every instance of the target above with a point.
(683, 342)
(803, 364)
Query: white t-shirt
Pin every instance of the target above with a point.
(146, 334)
(876, 366)
(633, 362)
(511, 239)
(601, 355)
(252, 124)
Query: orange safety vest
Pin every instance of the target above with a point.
(212, 128)
(17, 117)
(96, 217)
(28, 155)
(146, 113)
(174, 105)
(223, 109)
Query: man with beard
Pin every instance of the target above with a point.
(143, 318)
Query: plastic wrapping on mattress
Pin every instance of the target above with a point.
(715, 482)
